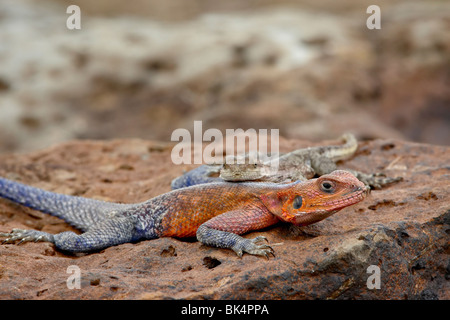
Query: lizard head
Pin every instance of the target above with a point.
(306, 202)
(242, 171)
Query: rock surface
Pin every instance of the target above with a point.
(403, 229)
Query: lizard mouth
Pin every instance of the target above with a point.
(330, 207)
(354, 196)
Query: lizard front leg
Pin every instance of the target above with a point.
(224, 231)
(374, 180)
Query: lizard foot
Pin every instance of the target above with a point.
(26, 236)
(376, 180)
(253, 246)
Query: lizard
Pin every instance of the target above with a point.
(301, 164)
(218, 214)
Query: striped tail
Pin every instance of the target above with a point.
(80, 212)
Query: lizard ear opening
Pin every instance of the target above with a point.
(278, 204)
(298, 202)
(273, 202)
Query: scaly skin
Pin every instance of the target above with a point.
(216, 213)
(301, 164)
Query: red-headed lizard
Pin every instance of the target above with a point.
(216, 213)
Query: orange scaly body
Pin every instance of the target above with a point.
(217, 212)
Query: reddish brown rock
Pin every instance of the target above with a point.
(403, 229)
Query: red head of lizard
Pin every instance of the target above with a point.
(310, 201)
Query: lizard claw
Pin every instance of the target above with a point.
(377, 180)
(12, 236)
(22, 236)
(253, 246)
(260, 238)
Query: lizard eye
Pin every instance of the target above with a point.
(298, 202)
(327, 186)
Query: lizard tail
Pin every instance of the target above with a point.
(344, 151)
(79, 212)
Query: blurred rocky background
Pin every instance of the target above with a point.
(143, 68)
